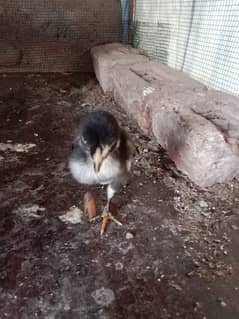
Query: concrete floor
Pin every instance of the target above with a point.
(176, 255)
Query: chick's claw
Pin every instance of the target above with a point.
(105, 221)
(107, 216)
(115, 220)
(94, 219)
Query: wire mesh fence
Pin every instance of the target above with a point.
(55, 35)
(200, 37)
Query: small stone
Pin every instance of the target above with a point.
(129, 236)
(103, 296)
(197, 306)
(234, 227)
(206, 214)
(203, 204)
(211, 265)
(137, 173)
(222, 302)
(196, 263)
(219, 273)
(190, 274)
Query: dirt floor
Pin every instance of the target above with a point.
(176, 256)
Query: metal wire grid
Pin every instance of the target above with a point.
(55, 35)
(200, 37)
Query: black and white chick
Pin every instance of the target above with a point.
(102, 153)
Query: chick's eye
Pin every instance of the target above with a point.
(84, 141)
(113, 146)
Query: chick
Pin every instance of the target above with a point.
(102, 154)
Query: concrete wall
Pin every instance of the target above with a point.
(55, 35)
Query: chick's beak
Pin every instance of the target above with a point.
(99, 157)
(98, 160)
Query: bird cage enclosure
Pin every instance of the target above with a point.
(55, 35)
(199, 37)
(161, 241)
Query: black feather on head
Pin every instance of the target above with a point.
(99, 129)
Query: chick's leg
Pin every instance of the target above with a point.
(107, 215)
(110, 194)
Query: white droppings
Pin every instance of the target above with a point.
(29, 211)
(148, 90)
(103, 296)
(19, 148)
(176, 286)
(73, 216)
